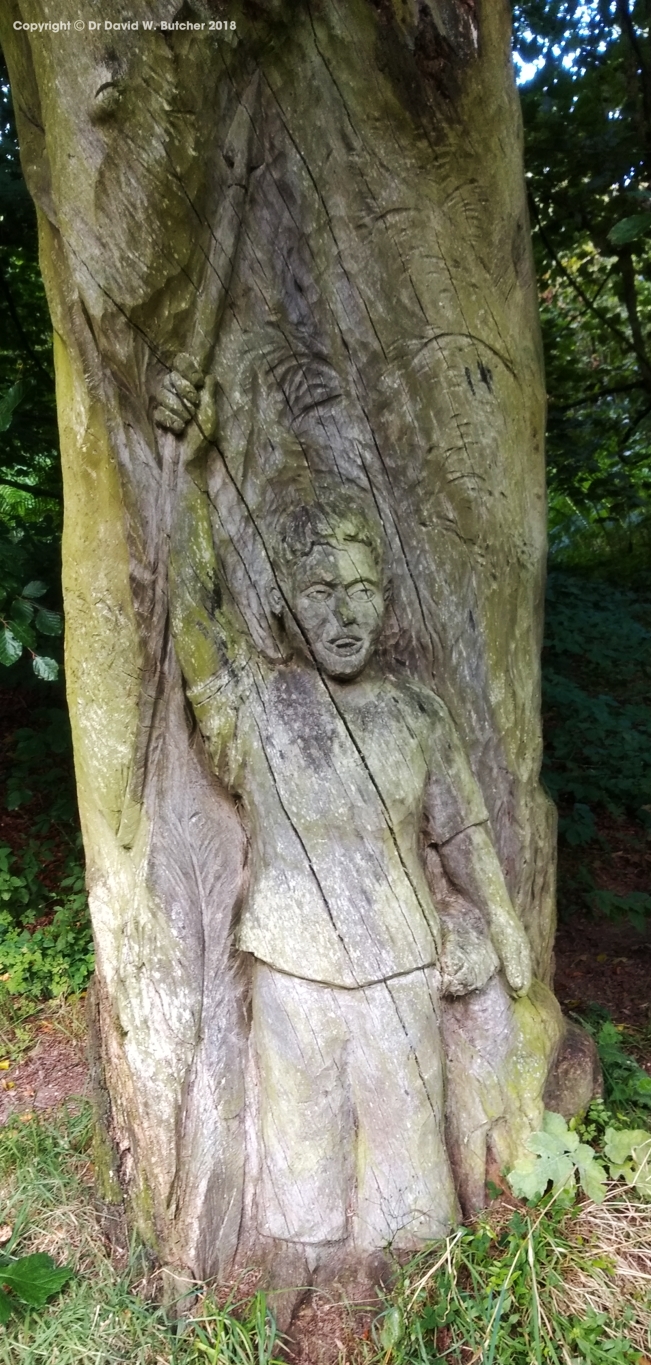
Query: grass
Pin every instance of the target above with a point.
(109, 1312)
(546, 1286)
(23, 1020)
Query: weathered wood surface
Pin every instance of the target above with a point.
(290, 255)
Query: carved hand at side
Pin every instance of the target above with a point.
(472, 865)
(179, 394)
(468, 961)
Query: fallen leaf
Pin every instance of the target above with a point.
(5, 1232)
(25, 1118)
(8, 1085)
(4, 1065)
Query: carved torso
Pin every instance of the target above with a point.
(335, 783)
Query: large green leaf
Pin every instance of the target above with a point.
(5, 1308)
(532, 1174)
(555, 1124)
(591, 1173)
(629, 1153)
(557, 1157)
(45, 669)
(22, 611)
(34, 589)
(7, 404)
(34, 1279)
(10, 647)
(23, 633)
(619, 1142)
(629, 229)
(392, 1329)
(48, 622)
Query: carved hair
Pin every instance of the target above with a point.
(334, 518)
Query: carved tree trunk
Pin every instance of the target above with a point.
(323, 207)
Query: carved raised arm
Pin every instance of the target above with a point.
(210, 645)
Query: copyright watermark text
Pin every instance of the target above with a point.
(131, 25)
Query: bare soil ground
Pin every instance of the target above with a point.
(598, 962)
(54, 1071)
(43, 1058)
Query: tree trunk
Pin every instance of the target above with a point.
(287, 257)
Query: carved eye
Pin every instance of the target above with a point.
(361, 590)
(320, 591)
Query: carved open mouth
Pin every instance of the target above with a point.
(346, 645)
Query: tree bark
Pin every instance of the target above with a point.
(322, 209)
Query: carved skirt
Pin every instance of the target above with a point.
(350, 1106)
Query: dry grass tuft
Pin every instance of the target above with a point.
(607, 1266)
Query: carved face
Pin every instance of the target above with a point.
(338, 601)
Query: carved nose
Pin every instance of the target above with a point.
(344, 611)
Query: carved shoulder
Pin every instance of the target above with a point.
(453, 799)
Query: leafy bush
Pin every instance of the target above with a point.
(597, 666)
(559, 1158)
(627, 1087)
(587, 123)
(45, 936)
(21, 624)
(50, 957)
(597, 716)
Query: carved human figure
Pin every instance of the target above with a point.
(373, 884)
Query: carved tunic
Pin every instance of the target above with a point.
(337, 783)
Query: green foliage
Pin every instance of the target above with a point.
(23, 622)
(238, 1334)
(105, 1312)
(46, 946)
(597, 716)
(30, 477)
(585, 79)
(8, 403)
(627, 1087)
(52, 959)
(597, 669)
(30, 1280)
(40, 772)
(45, 936)
(491, 1294)
(557, 1157)
(629, 1156)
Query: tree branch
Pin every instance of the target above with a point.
(626, 342)
(630, 300)
(595, 395)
